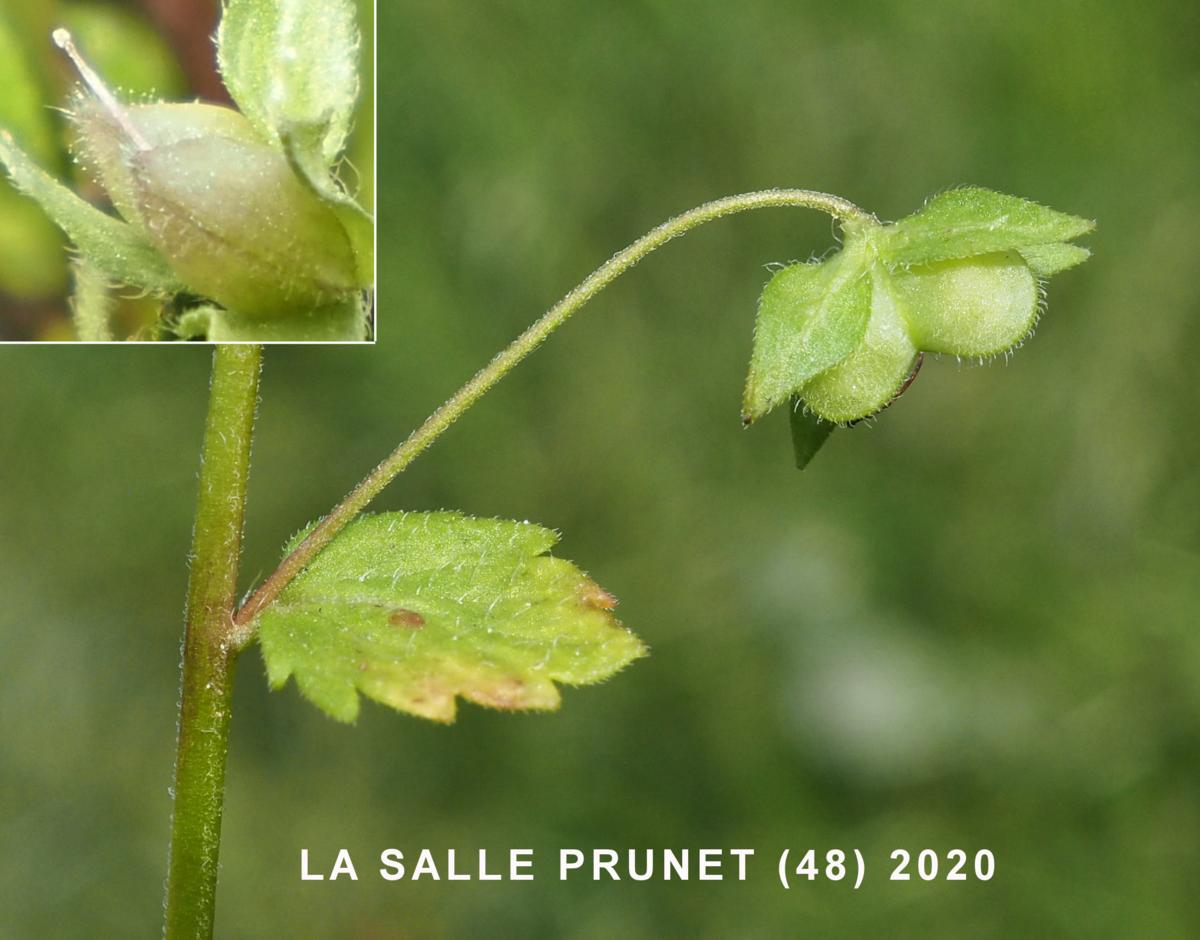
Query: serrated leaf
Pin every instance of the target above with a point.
(810, 318)
(976, 307)
(971, 221)
(91, 303)
(416, 609)
(115, 248)
(293, 63)
(1048, 260)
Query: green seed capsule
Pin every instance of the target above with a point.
(238, 225)
(225, 208)
(106, 147)
(841, 339)
(977, 307)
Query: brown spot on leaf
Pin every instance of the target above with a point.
(503, 693)
(594, 596)
(402, 617)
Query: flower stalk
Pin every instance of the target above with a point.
(453, 408)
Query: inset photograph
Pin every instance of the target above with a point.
(187, 170)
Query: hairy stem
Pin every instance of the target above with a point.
(503, 363)
(208, 653)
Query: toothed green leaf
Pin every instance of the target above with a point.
(1048, 260)
(416, 609)
(810, 317)
(971, 221)
(115, 248)
(293, 63)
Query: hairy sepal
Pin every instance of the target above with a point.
(810, 317)
(1047, 260)
(299, 145)
(971, 221)
(869, 378)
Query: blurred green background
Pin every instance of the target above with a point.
(972, 624)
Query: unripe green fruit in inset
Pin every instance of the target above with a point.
(237, 224)
(224, 207)
(106, 149)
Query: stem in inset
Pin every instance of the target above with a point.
(208, 653)
(522, 346)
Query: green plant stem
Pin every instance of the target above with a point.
(503, 363)
(208, 654)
